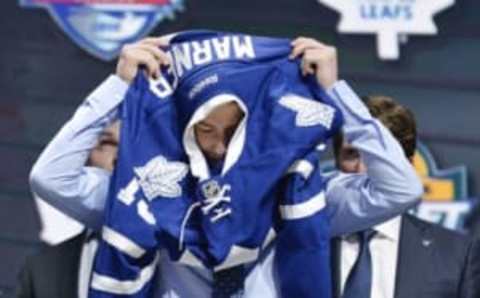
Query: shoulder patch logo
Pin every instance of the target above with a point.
(309, 112)
(160, 177)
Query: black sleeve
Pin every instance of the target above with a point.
(24, 283)
(470, 280)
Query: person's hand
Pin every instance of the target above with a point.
(318, 59)
(145, 52)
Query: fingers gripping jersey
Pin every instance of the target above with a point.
(163, 195)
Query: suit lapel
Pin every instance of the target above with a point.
(336, 266)
(68, 280)
(414, 254)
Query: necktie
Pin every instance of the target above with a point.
(228, 282)
(359, 281)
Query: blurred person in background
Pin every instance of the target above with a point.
(63, 270)
(404, 256)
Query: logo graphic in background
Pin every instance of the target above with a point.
(101, 27)
(445, 200)
(391, 20)
(440, 185)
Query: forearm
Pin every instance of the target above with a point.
(387, 166)
(60, 176)
(390, 185)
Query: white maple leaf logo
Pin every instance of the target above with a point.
(391, 20)
(309, 112)
(160, 177)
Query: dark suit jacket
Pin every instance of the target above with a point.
(433, 262)
(53, 272)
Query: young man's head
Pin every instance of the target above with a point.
(397, 118)
(212, 135)
(214, 132)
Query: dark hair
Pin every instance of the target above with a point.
(397, 118)
(337, 145)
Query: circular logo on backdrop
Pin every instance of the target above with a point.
(101, 27)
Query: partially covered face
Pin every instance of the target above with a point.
(104, 154)
(213, 133)
(349, 159)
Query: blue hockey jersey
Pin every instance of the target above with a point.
(163, 195)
